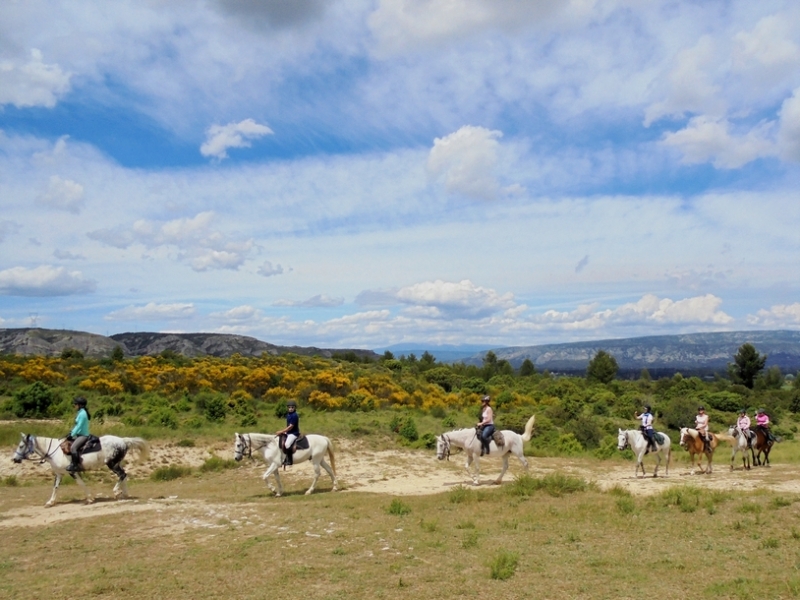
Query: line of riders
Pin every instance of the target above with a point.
(701, 423)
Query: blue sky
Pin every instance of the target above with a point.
(364, 173)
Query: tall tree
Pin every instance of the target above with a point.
(527, 369)
(746, 365)
(602, 368)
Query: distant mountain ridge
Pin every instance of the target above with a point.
(51, 342)
(664, 355)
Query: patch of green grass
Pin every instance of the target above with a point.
(465, 525)
(750, 507)
(186, 443)
(555, 484)
(460, 494)
(470, 540)
(686, 498)
(215, 463)
(171, 472)
(769, 543)
(626, 505)
(504, 565)
(398, 507)
(10, 481)
(780, 502)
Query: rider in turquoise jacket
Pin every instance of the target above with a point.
(79, 434)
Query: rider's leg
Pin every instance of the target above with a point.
(290, 439)
(75, 451)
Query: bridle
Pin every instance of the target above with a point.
(30, 448)
(627, 443)
(445, 454)
(247, 446)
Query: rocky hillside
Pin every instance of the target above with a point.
(696, 353)
(51, 342)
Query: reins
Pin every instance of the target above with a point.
(33, 449)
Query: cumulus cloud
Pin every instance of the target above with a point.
(44, 280)
(233, 135)
(318, 301)
(153, 312)
(239, 313)
(789, 133)
(33, 83)
(780, 315)
(466, 160)
(201, 246)
(709, 140)
(63, 194)
(67, 255)
(267, 269)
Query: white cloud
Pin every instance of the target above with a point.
(237, 314)
(44, 280)
(318, 301)
(466, 160)
(67, 255)
(33, 83)
(63, 194)
(233, 135)
(789, 132)
(267, 269)
(780, 315)
(708, 140)
(153, 312)
(201, 246)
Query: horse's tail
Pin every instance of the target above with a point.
(526, 437)
(332, 456)
(726, 437)
(138, 444)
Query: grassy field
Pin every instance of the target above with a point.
(222, 536)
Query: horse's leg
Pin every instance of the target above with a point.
(273, 468)
(121, 487)
(733, 457)
(79, 479)
(476, 476)
(499, 479)
(56, 483)
(316, 478)
(658, 463)
(327, 467)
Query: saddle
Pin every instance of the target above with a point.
(301, 443)
(91, 445)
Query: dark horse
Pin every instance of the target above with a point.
(762, 445)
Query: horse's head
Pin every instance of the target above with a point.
(733, 431)
(241, 447)
(25, 448)
(622, 440)
(443, 447)
(684, 437)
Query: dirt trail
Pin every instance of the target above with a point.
(389, 472)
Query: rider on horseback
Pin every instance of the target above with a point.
(701, 424)
(647, 427)
(762, 423)
(292, 431)
(486, 424)
(744, 426)
(79, 434)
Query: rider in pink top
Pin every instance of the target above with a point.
(762, 423)
(744, 425)
(701, 424)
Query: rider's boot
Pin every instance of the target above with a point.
(75, 465)
(289, 460)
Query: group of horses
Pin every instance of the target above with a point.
(268, 447)
(759, 447)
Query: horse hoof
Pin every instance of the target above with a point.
(90, 501)
(308, 493)
(49, 505)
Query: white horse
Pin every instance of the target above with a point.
(739, 444)
(113, 451)
(468, 440)
(268, 447)
(635, 440)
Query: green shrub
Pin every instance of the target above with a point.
(248, 420)
(171, 472)
(449, 421)
(504, 565)
(164, 417)
(460, 494)
(398, 507)
(408, 430)
(215, 463)
(555, 484)
(185, 443)
(33, 401)
(216, 409)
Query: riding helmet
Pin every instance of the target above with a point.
(647, 407)
(80, 401)
(291, 403)
(701, 408)
(760, 411)
(486, 399)
(743, 411)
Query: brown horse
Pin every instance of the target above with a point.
(693, 443)
(762, 445)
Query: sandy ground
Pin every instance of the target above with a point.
(388, 472)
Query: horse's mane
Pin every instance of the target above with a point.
(691, 432)
(261, 437)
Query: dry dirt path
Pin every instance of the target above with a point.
(387, 472)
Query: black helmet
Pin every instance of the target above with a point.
(647, 407)
(486, 399)
(743, 411)
(760, 411)
(291, 403)
(701, 408)
(80, 401)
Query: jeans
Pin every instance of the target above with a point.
(486, 435)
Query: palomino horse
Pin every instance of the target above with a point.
(113, 450)
(762, 445)
(739, 444)
(268, 447)
(635, 440)
(468, 440)
(693, 443)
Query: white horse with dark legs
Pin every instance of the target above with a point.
(739, 444)
(113, 450)
(468, 440)
(635, 440)
(267, 446)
